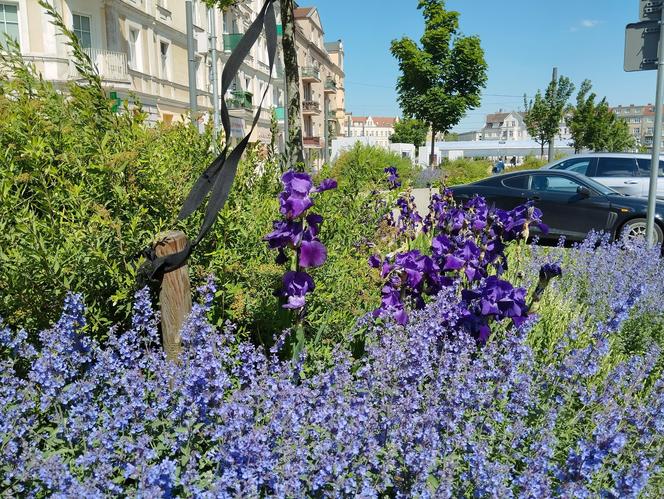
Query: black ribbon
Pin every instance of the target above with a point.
(218, 178)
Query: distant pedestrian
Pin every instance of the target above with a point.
(499, 167)
(513, 161)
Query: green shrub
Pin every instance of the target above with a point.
(362, 167)
(465, 170)
(82, 191)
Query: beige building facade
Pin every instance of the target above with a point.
(140, 50)
(321, 86)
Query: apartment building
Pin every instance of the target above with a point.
(641, 122)
(138, 46)
(380, 127)
(140, 49)
(321, 85)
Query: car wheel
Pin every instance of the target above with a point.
(636, 229)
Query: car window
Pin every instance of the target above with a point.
(578, 165)
(644, 167)
(518, 182)
(554, 183)
(616, 167)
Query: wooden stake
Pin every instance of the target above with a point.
(175, 294)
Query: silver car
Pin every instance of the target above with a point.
(626, 173)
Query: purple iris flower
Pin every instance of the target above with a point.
(392, 177)
(326, 185)
(285, 234)
(549, 271)
(312, 254)
(296, 286)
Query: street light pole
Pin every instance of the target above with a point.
(191, 55)
(552, 147)
(657, 141)
(214, 74)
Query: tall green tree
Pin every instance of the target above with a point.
(410, 131)
(581, 118)
(595, 127)
(545, 113)
(441, 80)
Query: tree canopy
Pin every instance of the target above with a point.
(440, 80)
(410, 131)
(595, 127)
(545, 113)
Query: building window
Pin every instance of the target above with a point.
(8, 21)
(637, 131)
(82, 30)
(163, 53)
(134, 49)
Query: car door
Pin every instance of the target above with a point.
(644, 177)
(513, 191)
(619, 174)
(566, 211)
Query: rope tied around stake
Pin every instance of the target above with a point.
(218, 177)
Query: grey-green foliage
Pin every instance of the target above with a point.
(82, 191)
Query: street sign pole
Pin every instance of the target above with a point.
(657, 141)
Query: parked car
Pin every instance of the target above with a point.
(626, 173)
(572, 204)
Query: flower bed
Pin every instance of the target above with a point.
(425, 411)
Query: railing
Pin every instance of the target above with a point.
(311, 106)
(231, 40)
(311, 141)
(240, 100)
(310, 73)
(111, 65)
(330, 85)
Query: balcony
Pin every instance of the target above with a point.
(310, 74)
(311, 142)
(330, 86)
(280, 113)
(240, 100)
(231, 40)
(332, 116)
(112, 66)
(310, 107)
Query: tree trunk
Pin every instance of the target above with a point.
(432, 154)
(294, 151)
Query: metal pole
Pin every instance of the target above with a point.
(657, 141)
(554, 79)
(326, 131)
(193, 93)
(214, 74)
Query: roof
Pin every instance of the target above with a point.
(496, 117)
(302, 12)
(384, 121)
(379, 121)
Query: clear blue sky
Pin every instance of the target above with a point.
(522, 39)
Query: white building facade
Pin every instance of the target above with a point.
(380, 128)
